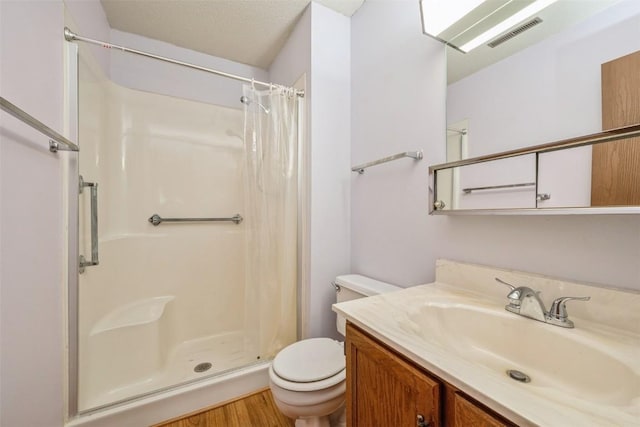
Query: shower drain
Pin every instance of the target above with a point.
(202, 367)
(518, 376)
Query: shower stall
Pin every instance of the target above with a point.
(187, 237)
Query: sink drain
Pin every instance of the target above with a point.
(518, 376)
(202, 367)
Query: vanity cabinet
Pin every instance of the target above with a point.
(466, 413)
(384, 389)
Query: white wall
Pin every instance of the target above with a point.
(294, 59)
(151, 75)
(87, 18)
(398, 100)
(398, 93)
(330, 162)
(32, 307)
(31, 292)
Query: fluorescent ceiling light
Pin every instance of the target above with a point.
(438, 15)
(532, 9)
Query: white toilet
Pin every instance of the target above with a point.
(307, 378)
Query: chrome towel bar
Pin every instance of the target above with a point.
(156, 219)
(417, 155)
(497, 187)
(56, 138)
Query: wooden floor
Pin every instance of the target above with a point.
(255, 410)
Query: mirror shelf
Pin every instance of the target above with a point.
(617, 210)
(446, 181)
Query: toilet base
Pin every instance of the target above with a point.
(339, 417)
(336, 419)
(313, 422)
(321, 408)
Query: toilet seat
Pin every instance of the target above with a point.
(309, 365)
(312, 386)
(310, 360)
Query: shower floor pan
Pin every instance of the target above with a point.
(186, 362)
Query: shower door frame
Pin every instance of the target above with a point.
(71, 176)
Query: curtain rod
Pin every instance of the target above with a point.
(71, 36)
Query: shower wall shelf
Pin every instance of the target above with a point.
(417, 155)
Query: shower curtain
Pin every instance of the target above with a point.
(271, 152)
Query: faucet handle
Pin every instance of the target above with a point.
(558, 311)
(514, 296)
(513, 288)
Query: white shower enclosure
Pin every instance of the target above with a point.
(174, 302)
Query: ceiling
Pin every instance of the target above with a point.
(247, 31)
(253, 31)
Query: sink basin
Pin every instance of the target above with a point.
(574, 362)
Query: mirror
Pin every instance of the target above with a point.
(593, 171)
(545, 84)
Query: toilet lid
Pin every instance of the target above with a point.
(309, 360)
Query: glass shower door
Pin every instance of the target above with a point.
(168, 302)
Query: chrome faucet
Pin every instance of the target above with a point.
(526, 302)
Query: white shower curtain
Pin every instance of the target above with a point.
(271, 148)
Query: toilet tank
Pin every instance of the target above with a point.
(352, 286)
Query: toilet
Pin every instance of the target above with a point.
(308, 378)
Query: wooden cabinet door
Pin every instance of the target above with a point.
(384, 390)
(615, 171)
(468, 414)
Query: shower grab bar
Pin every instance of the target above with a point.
(417, 155)
(156, 219)
(56, 139)
(496, 187)
(94, 226)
